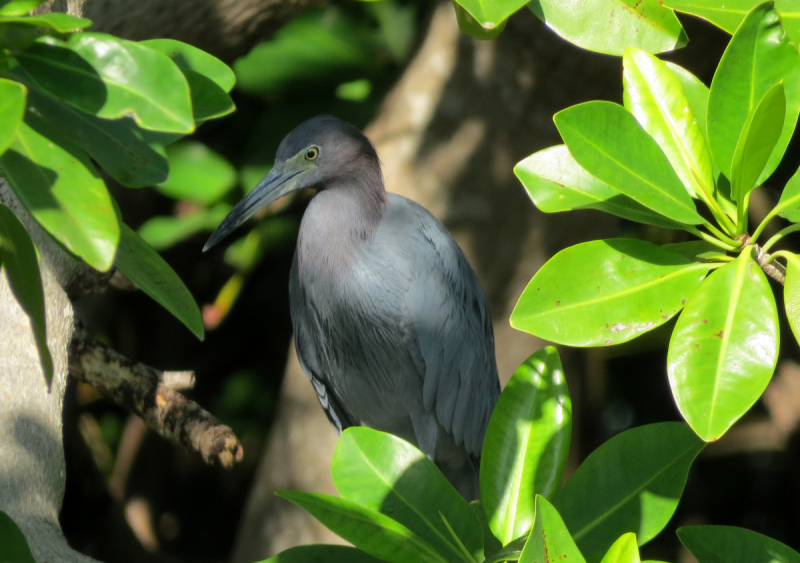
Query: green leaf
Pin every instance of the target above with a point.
(18, 259)
(634, 481)
(759, 136)
(322, 554)
(549, 540)
(62, 23)
(209, 101)
(624, 550)
(526, 444)
(696, 94)
(789, 205)
(17, 7)
(368, 530)
(728, 544)
(196, 173)
(381, 472)
(112, 78)
(491, 545)
(758, 57)
(145, 268)
(608, 143)
(606, 292)
(791, 293)
(163, 232)
(611, 26)
(12, 107)
(555, 182)
(117, 145)
(655, 96)
(59, 186)
(13, 545)
(472, 27)
(724, 348)
(192, 58)
(489, 14)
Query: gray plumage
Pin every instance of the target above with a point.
(390, 323)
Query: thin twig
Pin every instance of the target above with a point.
(144, 391)
(772, 268)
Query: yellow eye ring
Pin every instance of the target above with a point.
(312, 153)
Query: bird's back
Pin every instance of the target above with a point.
(402, 341)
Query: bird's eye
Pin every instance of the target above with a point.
(312, 153)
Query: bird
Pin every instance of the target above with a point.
(390, 323)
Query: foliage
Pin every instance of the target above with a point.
(71, 99)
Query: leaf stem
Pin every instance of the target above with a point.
(779, 235)
(467, 555)
(708, 238)
(741, 215)
(719, 214)
(771, 215)
(720, 235)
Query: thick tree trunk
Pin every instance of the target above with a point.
(449, 134)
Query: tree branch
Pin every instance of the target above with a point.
(150, 393)
(772, 268)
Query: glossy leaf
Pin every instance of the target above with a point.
(634, 481)
(696, 94)
(17, 7)
(381, 472)
(624, 550)
(192, 58)
(472, 27)
(607, 142)
(13, 545)
(145, 268)
(555, 182)
(759, 135)
(526, 444)
(724, 348)
(611, 26)
(196, 173)
(606, 292)
(791, 294)
(655, 96)
(549, 540)
(162, 232)
(61, 23)
(116, 145)
(18, 260)
(789, 205)
(489, 14)
(112, 78)
(368, 530)
(60, 187)
(12, 107)
(728, 544)
(758, 57)
(321, 553)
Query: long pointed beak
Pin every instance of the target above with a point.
(274, 186)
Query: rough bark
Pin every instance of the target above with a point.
(448, 135)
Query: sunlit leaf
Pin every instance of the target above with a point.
(791, 294)
(192, 58)
(624, 550)
(196, 173)
(12, 107)
(61, 23)
(549, 540)
(17, 7)
(789, 205)
(161, 232)
(526, 444)
(724, 348)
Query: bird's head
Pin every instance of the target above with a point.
(318, 153)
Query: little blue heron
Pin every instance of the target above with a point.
(390, 323)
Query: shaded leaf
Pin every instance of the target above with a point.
(12, 107)
(607, 142)
(634, 481)
(491, 545)
(13, 545)
(555, 182)
(192, 58)
(724, 348)
(491, 14)
(611, 26)
(728, 544)
(472, 27)
(209, 101)
(381, 472)
(526, 444)
(60, 187)
(789, 205)
(758, 56)
(145, 268)
(196, 173)
(61, 23)
(322, 554)
(161, 232)
(549, 540)
(606, 292)
(18, 260)
(368, 530)
(112, 78)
